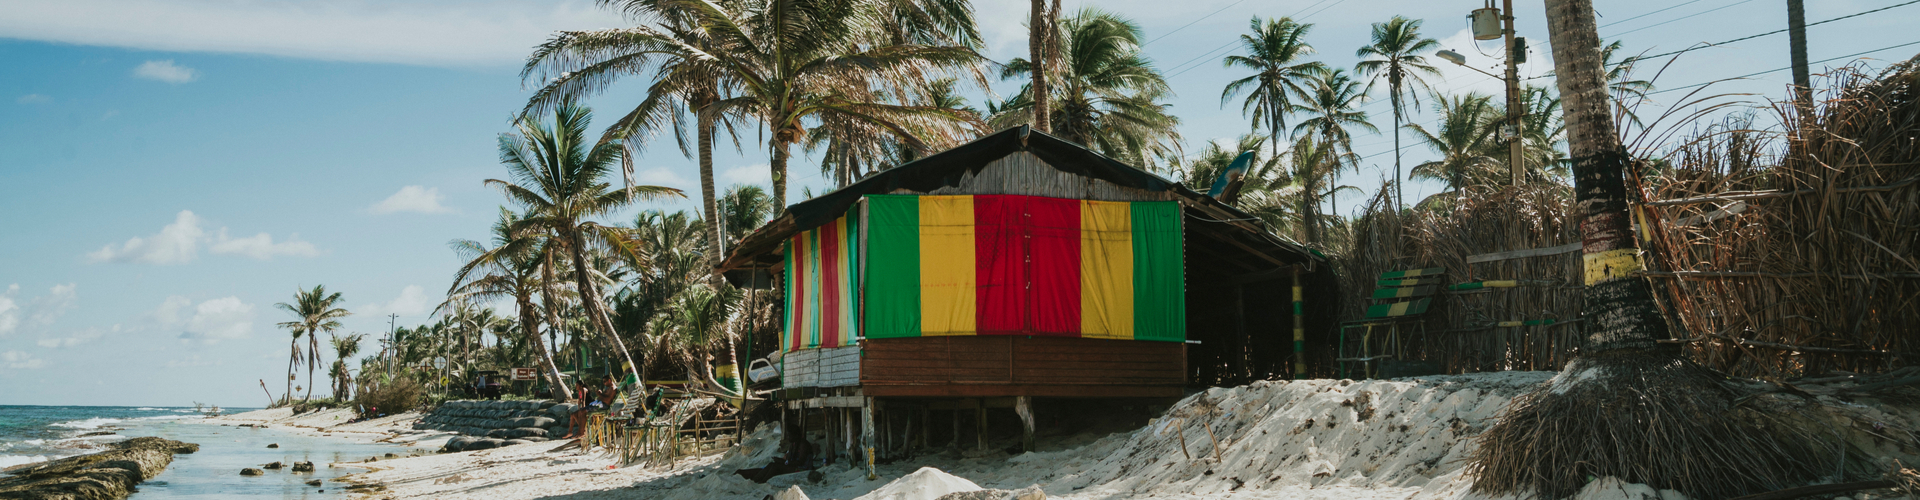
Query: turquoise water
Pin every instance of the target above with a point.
(34, 433)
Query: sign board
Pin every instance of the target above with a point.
(523, 374)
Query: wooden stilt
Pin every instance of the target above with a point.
(956, 429)
(1024, 406)
(866, 434)
(980, 416)
(926, 429)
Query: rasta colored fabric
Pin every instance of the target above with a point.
(1024, 265)
(822, 274)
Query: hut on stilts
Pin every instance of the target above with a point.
(1015, 267)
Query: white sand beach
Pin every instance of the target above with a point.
(1315, 439)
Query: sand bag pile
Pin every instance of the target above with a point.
(492, 424)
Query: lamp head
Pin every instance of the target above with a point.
(1452, 57)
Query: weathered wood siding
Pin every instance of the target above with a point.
(1024, 173)
(825, 367)
(1021, 366)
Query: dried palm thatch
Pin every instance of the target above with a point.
(1797, 253)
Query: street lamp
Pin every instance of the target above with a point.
(1488, 23)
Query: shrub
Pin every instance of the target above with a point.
(390, 397)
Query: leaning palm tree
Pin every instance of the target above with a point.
(343, 349)
(1106, 93)
(315, 312)
(695, 323)
(1395, 57)
(1274, 53)
(510, 268)
(801, 61)
(674, 54)
(560, 179)
(1462, 139)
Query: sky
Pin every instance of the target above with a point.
(172, 169)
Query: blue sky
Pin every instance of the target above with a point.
(170, 169)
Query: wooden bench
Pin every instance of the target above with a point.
(1399, 306)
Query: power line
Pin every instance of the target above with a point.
(1202, 18)
(1786, 68)
(1774, 32)
(1617, 35)
(1229, 44)
(1649, 13)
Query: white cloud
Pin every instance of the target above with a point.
(176, 244)
(218, 319)
(39, 312)
(20, 361)
(433, 32)
(9, 310)
(416, 199)
(33, 99)
(165, 71)
(751, 174)
(660, 176)
(80, 337)
(179, 243)
(262, 247)
(168, 314)
(412, 301)
(190, 361)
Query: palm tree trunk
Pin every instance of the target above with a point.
(590, 298)
(1399, 196)
(313, 358)
(1620, 304)
(1039, 29)
(530, 326)
(293, 362)
(708, 202)
(779, 166)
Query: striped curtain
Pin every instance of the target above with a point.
(1024, 265)
(821, 277)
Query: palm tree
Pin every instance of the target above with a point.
(801, 61)
(511, 268)
(1462, 139)
(560, 179)
(1105, 91)
(576, 64)
(316, 312)
(742, 210)
(1395, 56)
(1333, 102)
(343, 349)
(695, 322)
(1273, 51)
(1291, 198)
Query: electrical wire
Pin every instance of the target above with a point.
(1618, 35)
(1202, 18)
(1189, 65)
(1649, 13)
(1630, 60)
(1786, 68)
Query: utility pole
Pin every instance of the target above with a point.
(391, 328)
(1514, 113)
(1797, 39)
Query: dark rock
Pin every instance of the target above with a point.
(272, 466)
(273, 445)
(484, 444)
(97, 433)
(106, 475)
(315, 482)
(390, 455)
(251, 472)
(303, 466)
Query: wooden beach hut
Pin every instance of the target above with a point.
(1022, 266)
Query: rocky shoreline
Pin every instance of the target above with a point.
(107, 475)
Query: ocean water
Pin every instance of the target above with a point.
(38, 433)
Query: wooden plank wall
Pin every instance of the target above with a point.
(1051, 366)
(825, 367)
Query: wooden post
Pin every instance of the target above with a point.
(926, 429)
(980, 417)
(956, 429)
(1299, 328)
(1024, 406)
(866, 434)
